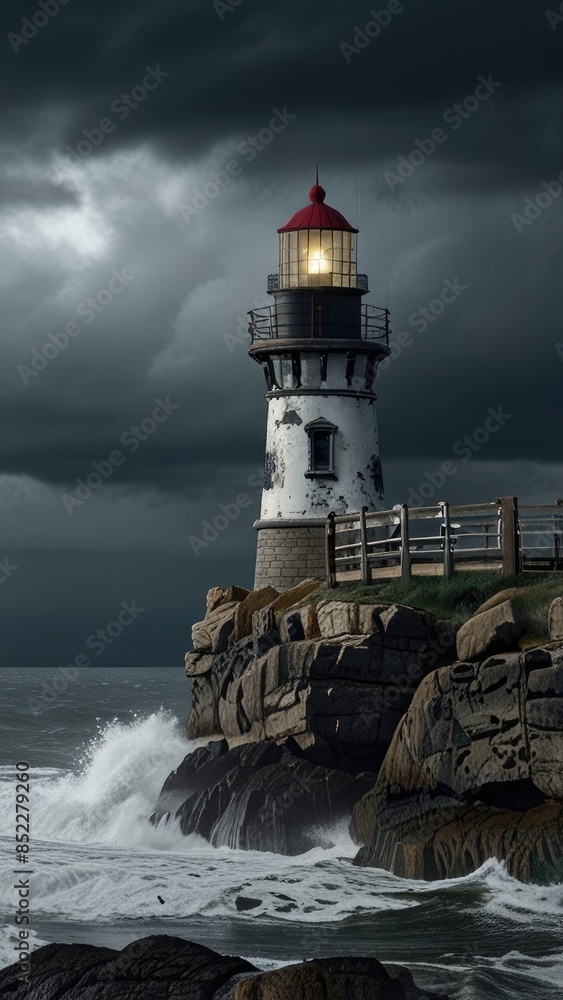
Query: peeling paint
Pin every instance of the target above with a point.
(376, 473)
(270, 468)
(290, 417)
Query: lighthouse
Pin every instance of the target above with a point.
(319, 347)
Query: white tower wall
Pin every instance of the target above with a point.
(288, 493)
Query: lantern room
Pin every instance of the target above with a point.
(317, 247)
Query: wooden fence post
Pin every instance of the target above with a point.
(448, 554)
(510, 530)
(366, 571)
(405, 545)
(330, 551)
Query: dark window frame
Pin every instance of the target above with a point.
(325, 427)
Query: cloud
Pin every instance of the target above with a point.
(66, 228)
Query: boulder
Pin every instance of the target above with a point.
(499, 598)
(474, 770)
(333, 979)
(161, 967)
(258, 797)
(253, 602)
(496, 630)
(555, 618)
(337, 618)
(296, 595)
(152, 968)
(217, 596)
(212, 634)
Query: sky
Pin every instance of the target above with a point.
(141, 187)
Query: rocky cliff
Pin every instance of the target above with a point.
(335, 676)
(447, 749)
(474, 771)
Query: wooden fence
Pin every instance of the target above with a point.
(500, 536)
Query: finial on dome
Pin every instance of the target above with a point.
(317, 193)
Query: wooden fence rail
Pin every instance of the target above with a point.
(500, 536)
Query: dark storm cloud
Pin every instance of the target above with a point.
(225, 75)
(176, 328)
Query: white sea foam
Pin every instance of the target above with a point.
(99, 863)
(110, 797)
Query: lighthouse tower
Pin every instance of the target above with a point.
(319, 347)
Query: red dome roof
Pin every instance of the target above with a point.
(317, 215)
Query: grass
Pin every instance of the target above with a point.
(458, 598)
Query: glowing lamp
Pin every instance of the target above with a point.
(317, 247)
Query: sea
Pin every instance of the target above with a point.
(100, 743)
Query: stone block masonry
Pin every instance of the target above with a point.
(288, 555)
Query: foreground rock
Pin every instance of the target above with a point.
(333, 979)
(258, 797)
(335, 676)
(152, 968)
(169, 968)
(475, 771)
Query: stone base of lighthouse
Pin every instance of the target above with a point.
(289, 553)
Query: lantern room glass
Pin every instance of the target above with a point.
(313, 257)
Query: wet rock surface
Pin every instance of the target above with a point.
(475, 770)
(333, 979)
(465, 732)
(162, 967)
(152, 968)
(258, 797)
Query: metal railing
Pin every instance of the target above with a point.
(374, 324)
(274, 282)
(500, 536)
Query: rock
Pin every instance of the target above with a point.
(163, 967)
(311, 622)
(212, 634)
(198, 663)
(475, 770)
(291, 625)
(213, 598)
(346, 694)
(152, 968)
(255, 600)
(499, 598)
(555, 618)
(494, 631)
(296, 595)
(203, 719)
(333, 979)
(258, 797)
(399, 624)
(217, 596)
(337, 618)
(265, 632)
(247, 903)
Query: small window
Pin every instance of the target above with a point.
(321, 449)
